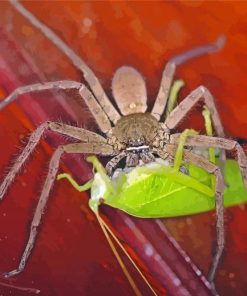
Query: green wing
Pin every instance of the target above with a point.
(154, 194)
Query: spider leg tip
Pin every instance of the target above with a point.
(11, 273)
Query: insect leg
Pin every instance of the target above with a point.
(77, 61)
(209, 130)
(173, 96)
(99, 115)
(73, 182)
(96, 148)
(222, 143)
(180, 148)
(73, 132)
(168, 73)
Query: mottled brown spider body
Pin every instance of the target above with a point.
(134, 136)
(128, 131)
(136, 128)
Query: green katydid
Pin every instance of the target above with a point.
(161, 186)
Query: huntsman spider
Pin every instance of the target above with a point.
(129, 132)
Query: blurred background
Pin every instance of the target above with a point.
(71, 255)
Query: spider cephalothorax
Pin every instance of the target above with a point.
(135, 136)
(129, 132)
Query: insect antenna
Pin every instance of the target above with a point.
(120, 261)
(106, 229)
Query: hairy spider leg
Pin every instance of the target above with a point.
(99, 115)
(95, 148)
(207, 121)
(168, 73)
(219, 207)
(111, 164)
(219, 202)
(207, 141)
(219, 188)
(73, 132)
(200, 93)
(215, 142)
(191, 132)
(76, 60)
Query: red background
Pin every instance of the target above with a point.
(144, 35)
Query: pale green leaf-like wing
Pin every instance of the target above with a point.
(155, 194)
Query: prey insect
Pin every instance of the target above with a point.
(133, 136)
